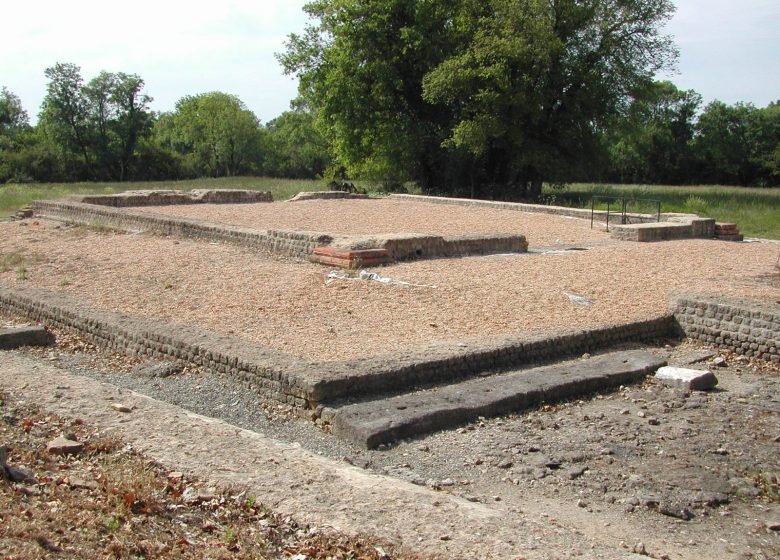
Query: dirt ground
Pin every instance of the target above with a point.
(296, 308)
(647, 469)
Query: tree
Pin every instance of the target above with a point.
(652, 142)
(537, 78)
(14, 131)
(217, 134)
(508, 92)
(65, 115)
(294, 147)
(100, 122)
(361, 67)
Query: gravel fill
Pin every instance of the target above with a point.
(378, 216)
(295, 308)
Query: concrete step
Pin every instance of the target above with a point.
(373, 423)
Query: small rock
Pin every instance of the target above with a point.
(773, 525)
(677, 511)
(444, 538)
(79, 484)
(641, 414)
(472, 498)
(582, 503)
(576, 472)
(505, 464)
(639, 548)
(720, 361)
(31, 491)
(625, 411)
(175, 476)
(447, 482)
(654, 421)
(585, 356)
(20, 474)
(121, 407)
(64, 446)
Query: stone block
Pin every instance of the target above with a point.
(24, 336)
(688, 379)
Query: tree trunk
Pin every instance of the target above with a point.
(536, 188)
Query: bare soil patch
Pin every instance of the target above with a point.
(294, 307)
(378, 216)
(108, 501)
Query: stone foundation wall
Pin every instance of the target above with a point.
(643, 227)
(439, 362)
(326, 195)
(410, 247)
(261, 369)
(746, 327)
(298, 244)
(305, 384)
(172, 197)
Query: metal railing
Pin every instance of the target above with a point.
(623, 203)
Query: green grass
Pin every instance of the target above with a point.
(15, 196)
(756, 211)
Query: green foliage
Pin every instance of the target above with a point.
(361, 67)
(93, 128)
(294, 147)
(215, 134)
(652, 142)
(453, 94)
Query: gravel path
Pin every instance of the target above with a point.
(378, 216)
(294, 307)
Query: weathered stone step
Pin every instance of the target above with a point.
(376, 422)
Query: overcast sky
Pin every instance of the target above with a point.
(730, 49)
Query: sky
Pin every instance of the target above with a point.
(729, 50)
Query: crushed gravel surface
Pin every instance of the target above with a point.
(293, 306)
(378, 216)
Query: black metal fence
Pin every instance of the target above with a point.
(620, 204)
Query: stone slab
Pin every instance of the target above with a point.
(688, 379)
(373, 423)
(11, 338)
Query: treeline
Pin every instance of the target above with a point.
(667, 137)
(104, 130)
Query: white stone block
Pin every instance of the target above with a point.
(689, 379)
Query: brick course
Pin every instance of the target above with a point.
(743, 326)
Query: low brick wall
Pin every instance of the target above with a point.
(306, 384)
(440, 362)
(416, 246)
(743, 326)
(326, 195)
(261, 369)
(173, 197)
(644, 227)
(298, 244)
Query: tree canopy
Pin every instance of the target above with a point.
(507, 91)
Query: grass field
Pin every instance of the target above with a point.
(756, 211)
